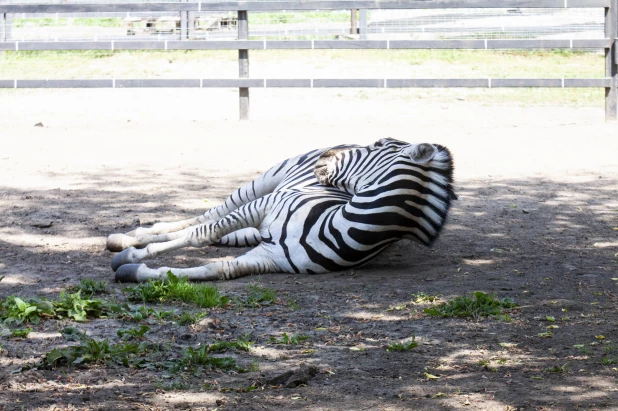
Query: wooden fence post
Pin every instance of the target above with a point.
(611, 96)
(353, 21)
(363, 24)
(8, 26)
(243, 64)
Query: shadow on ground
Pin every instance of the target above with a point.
(550, 246)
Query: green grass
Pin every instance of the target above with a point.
(89, 286)
(177, 289)
(475, 305)
(294, 339)
(403, 346)
(93, 351)
(197, 360)
(133, 333)
(260, 296)
(21, 333)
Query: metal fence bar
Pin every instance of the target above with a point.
(363, 24)
(611, 95)
(2, 26)
(299, 5)
(243, 65)
(311, 83)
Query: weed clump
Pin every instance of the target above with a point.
(177, 289)
(475, 305)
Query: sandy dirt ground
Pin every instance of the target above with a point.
(537, 222)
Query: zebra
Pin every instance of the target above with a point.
(327, 210)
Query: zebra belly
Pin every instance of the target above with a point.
(312, 237)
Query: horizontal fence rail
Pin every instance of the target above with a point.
(299, 5)
(187, 11)
(310, 83)
(487, 44)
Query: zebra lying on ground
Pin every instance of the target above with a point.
(326, 210)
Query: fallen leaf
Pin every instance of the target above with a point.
(438, 395)
(599, 337)
(508, 345)
(431, 376)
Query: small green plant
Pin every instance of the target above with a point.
(610, 357)
(476, 305)
(286, 339)
(260, 296)
(196, 360)
(403, 346)
(72, 305)
(90, 287)
(72, 334)
(422, 297)
(17, 311)
(95, 351)
(187, 318)
(293, 305)
(21, 333)
(177, 289)
(136, 333)
(558, 369)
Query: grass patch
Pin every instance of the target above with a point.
(198, 360)
(92, 351)
(133, 333)
(260, 296)
(610, 357)
(187, 318)
(294, 339)
(402, 346)
(475, 305)
(90, 287)
(21, 333)
(177, 289)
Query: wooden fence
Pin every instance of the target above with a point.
(243, 45)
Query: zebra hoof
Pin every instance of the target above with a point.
(128, 273)
(121, 259)
(118, 242)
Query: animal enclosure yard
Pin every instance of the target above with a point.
(536, 224)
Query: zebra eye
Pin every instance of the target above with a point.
(422, 153)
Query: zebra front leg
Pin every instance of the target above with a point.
(250, 215)
(256, 261)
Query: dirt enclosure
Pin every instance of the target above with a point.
(537, 222)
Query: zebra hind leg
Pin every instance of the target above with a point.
(159, 232)
(246, 237)
(256, 261)
(248, 216)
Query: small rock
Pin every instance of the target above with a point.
(294, 378)
(38, 125)
(41, 223)
(523, 210)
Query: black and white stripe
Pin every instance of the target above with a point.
(326, 210)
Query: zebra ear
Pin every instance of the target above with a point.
(323, 167)
(327, 164)
(422, 153)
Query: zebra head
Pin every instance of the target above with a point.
(399, 189)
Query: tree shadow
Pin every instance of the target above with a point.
(548, 245)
